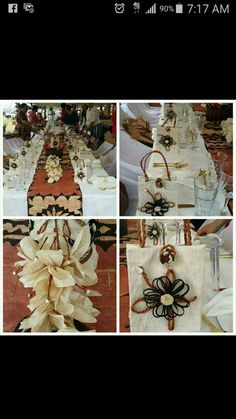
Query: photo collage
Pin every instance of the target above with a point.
(117, 217)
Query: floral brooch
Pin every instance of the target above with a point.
(166, 297)
(153, 233)
(167, 141)
(14, 166)
(158, 207)
(80, 174)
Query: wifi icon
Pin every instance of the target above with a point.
(152, 10)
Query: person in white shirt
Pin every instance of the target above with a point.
(93, 127)
(92, 116)
(107, 154)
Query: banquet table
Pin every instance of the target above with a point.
(66, 197)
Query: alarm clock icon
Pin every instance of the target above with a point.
(119, 7)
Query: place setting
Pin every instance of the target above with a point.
(178, 165)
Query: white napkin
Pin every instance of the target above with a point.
(104, 182)
(221, 304)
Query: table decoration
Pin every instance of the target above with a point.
(59, 271)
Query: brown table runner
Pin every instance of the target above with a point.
(63, 198)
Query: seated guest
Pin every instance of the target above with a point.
(23, 126)
(63, 112)
(107, 153)
(82, 116)
(51, 113)
(71, 117)
(33, 117)
(41, 120)
(92, 116)
(93, 127)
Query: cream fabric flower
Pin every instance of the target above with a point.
(58, 278)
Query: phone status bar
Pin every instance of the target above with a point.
(139, 8)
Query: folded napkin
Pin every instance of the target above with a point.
(103, 182)
(221, 304)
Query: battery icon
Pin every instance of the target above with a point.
(179, 8)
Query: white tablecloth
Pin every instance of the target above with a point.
(15, 201)
(12, 146)
(95, 201)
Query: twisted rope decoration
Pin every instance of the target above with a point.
(141, 232)
(167, 254)
(187, 233)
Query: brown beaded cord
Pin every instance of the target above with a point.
(86, 256)
(141, 232)
(187, 233)
(43, 227)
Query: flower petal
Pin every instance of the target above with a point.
(32, 267)
(68, 330)
(58, 320)
(63, 304)
(82, 242)
(61, 277)
(50, 257)
(83, 315)
(28, 248)
(31, 280)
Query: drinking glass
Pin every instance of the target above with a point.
(216, 164)
(204, 196)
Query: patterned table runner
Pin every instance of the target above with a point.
(63, 198)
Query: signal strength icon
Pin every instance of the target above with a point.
(152, 9)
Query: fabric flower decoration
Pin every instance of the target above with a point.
(58, 277)
(159, 207)
(170, 114)
(167, 299)
(14, 166)
(153, 233)
(81, 175)
(167, 141)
